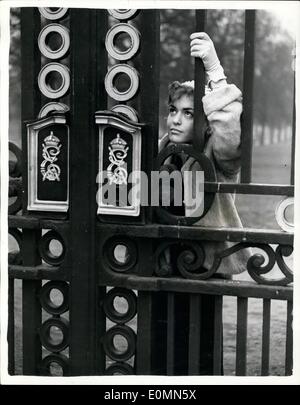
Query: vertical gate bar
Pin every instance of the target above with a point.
(289, 340)
(199, 116)
(218, 336)
(293, 137)
(149, 91)
(171, 333)
(30, 67)
(31, 308)
(31, 103)
(82, 211)
(151, 333)
(194, 334)
(181, 333)
(248, 81)
(144, 333)
(100, 102)
(265, 360)
(241, 336)
(11, 326)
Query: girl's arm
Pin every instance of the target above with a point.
(222, 106)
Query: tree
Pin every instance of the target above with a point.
(273, 84)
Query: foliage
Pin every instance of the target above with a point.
(274, 76)
(15, 59)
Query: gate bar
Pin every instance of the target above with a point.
(145, 333)
(11, 326)
(149, 92)
(199, 91)
(30, 68)
(171, 334)
(289, 340)
(194, 334)
(292, 181)
(241, 336)
(31, 308)
(86, 320)
(265, 359)
(218, 336)
(248, 79)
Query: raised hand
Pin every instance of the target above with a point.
(203, 47)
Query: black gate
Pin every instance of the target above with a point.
(100, 261)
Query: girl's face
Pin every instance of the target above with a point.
(181, 119)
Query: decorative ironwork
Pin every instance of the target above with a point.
(55, 359)
(122, 139)
(123, 14)
(15, 257)
(110, 254)
(52, 106)
(284, 250)
(209, 175)
(126, 110)
(134, 41)
(44, 80)
(109, 345)
(15, 184)
(48, 341)
(51, 13)
(46, 253)
(44, 47)
(48, 303)
(51, 149)
(110, 308)
(132, 75)
(48, 157)
(280, 214)
(15, 167)
(189, 257)
(15, 190)
(119, 368)
(117, 155)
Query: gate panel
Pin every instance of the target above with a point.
(163, 330)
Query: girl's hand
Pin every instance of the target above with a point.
(203, 47)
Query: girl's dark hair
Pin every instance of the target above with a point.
(177, 90)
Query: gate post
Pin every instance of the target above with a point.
(87, 29)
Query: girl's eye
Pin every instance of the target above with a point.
(172, 110)
(189, 114)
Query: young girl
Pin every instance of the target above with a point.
(222, 107)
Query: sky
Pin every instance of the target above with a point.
(289, 19)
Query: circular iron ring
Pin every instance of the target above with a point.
(45, 88)
(111, 350)
(46, 301)
(110, 310)
(52, 106)
(45, 252)
(46, 339)
(53, 14)
(123, 14)
(111, 35)
(63, 32)
(133, 76)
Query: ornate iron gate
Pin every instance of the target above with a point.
(63, 144)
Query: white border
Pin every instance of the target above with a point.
(136, 380)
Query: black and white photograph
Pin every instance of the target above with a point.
(148, 177)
